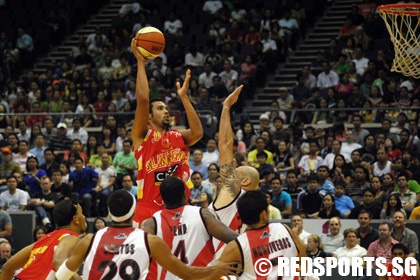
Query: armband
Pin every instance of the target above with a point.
(63, 273)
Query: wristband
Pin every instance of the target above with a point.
(63, 273)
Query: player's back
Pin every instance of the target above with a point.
(39, 264)
(184, 231)
(272, 241)
(117, 253)
(228, 215)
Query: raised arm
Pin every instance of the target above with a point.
(226, 160)
(141, 116)
(195, 132)
(216, 228)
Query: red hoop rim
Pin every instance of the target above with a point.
(400, 9)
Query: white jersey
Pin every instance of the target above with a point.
(118, 253)
(272, 241)
(229, 216)
(184, 231)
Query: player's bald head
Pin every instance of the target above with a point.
(252, 174)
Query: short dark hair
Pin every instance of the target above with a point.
(401, 247)
(262, 154)
(250, 205)
(312, 177)
(63, 212)
(120, 203)
(172, 190)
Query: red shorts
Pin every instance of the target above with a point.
(145, 211)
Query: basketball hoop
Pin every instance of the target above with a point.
(403, 24)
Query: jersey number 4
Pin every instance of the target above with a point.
(180, 251)
(122, 270)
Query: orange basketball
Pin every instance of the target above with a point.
(150, 42)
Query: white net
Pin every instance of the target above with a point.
(402, 22)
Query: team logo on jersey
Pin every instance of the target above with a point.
(121, 236)
(265, 235)
(177, 217)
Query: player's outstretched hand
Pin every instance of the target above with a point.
(183, 91)
(136, 53)
(233, 97)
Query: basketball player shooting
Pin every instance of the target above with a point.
(160, 151)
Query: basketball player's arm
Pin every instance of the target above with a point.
(17, 261)
(63, 249)
(231, 254)
(216, 228)
(226, 160)
(149, 226)
(162, 254)
(76, 258)
(141, 116)
(195, 132)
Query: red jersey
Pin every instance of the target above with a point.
(158, 157)
(39, 264)
(118, 253)
(404, 276)
(184, 231)
(271, 241)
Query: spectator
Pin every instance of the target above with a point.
(98, 224)
(22, 156)
(297, 228)
(124, 162)
(343, 203)
(206, 78)
(76, 148)
(106, 180)
(6, 226)
(8, 167)
(38, 232)
(43, 202)
(127, 184)
(309, 163)
(314, 247)
(310, 201)
(212, 7)
(327, 78)
(129, 8)
(404, 235)
(260, 147)
(25, 45)
(211, 155)
(407, 197)
(229, 76)
(335, 238)
(213, 173)
(39, 148)
(328, 208)
(83, 181)
(49, 162)
(197, 164)
(60, 143)
(325, 185)
(173, 25)
(382, 246)
(13, 199)
(285, 100)
(280, 198)
(5, 252)
(197, 180)
(359, 184)
(63, 190)
(365, 232)
(290, 27)
(368, 204)
(78, 132)
(195, 60)
(291, 186)
(33, 175)
(351, 248)
(382, 165)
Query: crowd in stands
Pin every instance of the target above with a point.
(318, 173)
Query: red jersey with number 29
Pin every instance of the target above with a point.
(118, 253)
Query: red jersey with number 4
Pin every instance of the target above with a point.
(158, 157)
(184, 231)
(270, 242)
(118, 253)
(39, 264)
